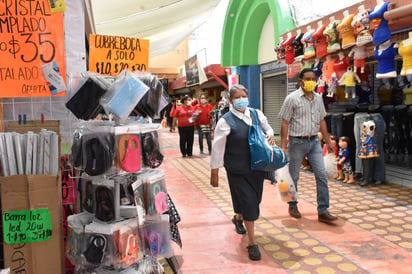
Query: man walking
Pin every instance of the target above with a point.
(302, 115)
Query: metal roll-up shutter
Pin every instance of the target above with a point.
(274, 93)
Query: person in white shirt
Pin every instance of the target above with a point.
(231, 149)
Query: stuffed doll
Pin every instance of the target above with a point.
(349, 79)
(332, 85)
(367, 150)
(359, 56)
(344, 160)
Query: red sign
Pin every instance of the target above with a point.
(30, 36)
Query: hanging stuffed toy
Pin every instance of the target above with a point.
(349, 79)
(359, 56)
(333, 84)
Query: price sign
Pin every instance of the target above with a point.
(30, 36)
(109, 55)
(27, 226)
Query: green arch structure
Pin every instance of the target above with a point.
(243, 26)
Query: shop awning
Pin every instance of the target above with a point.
(165, 23)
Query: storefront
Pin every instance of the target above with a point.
(381, 95)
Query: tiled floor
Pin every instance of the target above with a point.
(373, 235)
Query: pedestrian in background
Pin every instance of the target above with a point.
(302, 115)
(203, 122)
(185, 125)
(231, 150)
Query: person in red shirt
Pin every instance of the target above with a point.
(185, 125)
(203, 122)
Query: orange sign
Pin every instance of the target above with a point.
(30, 36)
(109, 55)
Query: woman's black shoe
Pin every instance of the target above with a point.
(254, 253)
(240, 229)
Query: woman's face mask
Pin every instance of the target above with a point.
(203, 101)
(188, 102)
(241, 103)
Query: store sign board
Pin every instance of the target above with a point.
(293, 76)
(27, 226)
(30, 36)
(110, 55)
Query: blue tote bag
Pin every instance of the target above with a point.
(264, 157)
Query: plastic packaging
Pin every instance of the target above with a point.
(330, 165)
(285, 187)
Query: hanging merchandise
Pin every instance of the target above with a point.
(320, 41)
(280, 51)
(341, 64)
(327, 67)
(298, 45)
(381, 32)
(157, 98)
(349, 80)
(360, 24)
(332, 35)
(151, 149)
(131, 160)
(98, 150)
(317, 67)
(85, 102)
(289, 49)
(332, 85)
(309, 49)
(123, 95)
(359, 56)
(346, 30)
(385, 54)
(405, 50)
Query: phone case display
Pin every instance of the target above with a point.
(151, 149)
(85, 103)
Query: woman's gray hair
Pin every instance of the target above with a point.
(236, 87)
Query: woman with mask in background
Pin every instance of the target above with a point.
(231, 150)
(185, 124)
(203, 122)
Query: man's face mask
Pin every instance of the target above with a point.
(309, 85)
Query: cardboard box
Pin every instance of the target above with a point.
(24, 192)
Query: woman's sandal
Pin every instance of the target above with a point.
(240, 229)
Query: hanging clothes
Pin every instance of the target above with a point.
(289, 50)
(385, 55)
(382, 32)
(309, 49)
(298, 45)
(360, 24)
(405, 50)
(320, 42)
(346, 31)
(332, 36)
